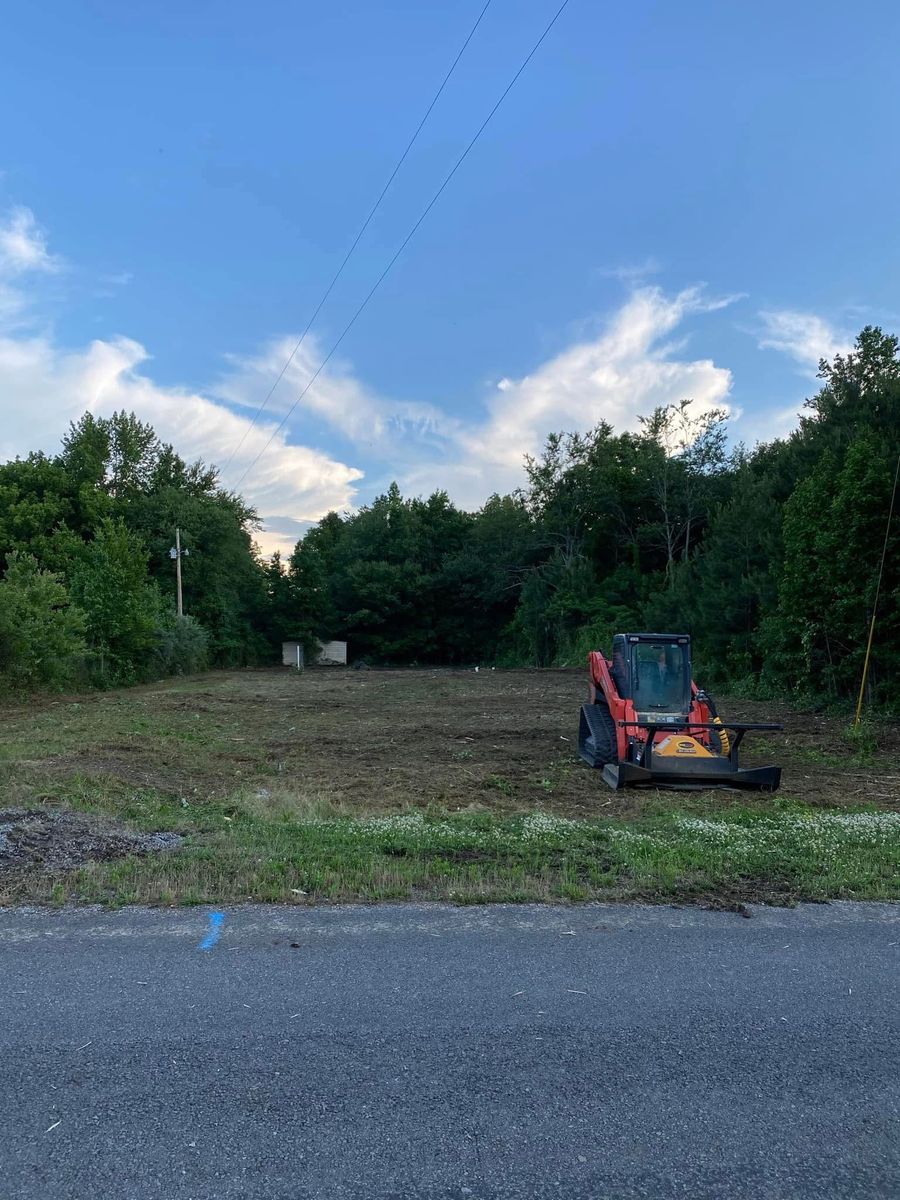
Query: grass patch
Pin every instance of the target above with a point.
(311, 853)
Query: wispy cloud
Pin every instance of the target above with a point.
(338, 399)
(628, 369)
(625, 372)
(804, 336)
(23, 253)
(631, 273)
(110, 284)
(23, 245)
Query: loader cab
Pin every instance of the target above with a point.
(653, 670)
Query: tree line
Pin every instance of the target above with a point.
(769, 557)
(87, 590)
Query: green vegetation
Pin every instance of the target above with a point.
(40, 634)
(789, 855)
(768, 557)
(87, 589)
(468, 789)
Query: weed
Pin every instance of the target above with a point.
(862, 740)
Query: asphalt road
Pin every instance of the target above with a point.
(428, 1052)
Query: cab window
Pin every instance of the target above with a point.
(659, 672)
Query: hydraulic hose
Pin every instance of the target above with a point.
(722, 732)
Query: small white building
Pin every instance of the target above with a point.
(292, 654)
(329, 654)
(332, 654)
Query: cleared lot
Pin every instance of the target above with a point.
(273, 779)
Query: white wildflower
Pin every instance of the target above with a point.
(539, 825)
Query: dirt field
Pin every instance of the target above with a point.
(383, 740)
(237, 752)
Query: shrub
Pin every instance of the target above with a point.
(182, 645)
(111, 585)
(41, 634)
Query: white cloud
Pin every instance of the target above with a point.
(756, 427)
(804, 336)
(44, 388)
(625, 372)
(633, 365)
(23, 251)
(373, 423)
(631, 273)
(23, 245)
(110, 284)
(617, 376)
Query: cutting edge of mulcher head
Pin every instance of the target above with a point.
(760, 779)
(620, 775)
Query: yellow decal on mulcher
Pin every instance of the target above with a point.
(671, 746)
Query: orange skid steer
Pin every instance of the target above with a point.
(648, 723)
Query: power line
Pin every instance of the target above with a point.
(430, 205)
(362, 230)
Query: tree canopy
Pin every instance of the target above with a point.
(99, 519)
(769, 557)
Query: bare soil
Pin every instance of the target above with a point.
(48, 840)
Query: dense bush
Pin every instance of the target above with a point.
(181, 645)
(41, 635)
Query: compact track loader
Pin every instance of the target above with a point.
(648, 723)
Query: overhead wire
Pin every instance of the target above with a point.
(362, 229)
(429, 206)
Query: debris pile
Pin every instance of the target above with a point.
(51, 840)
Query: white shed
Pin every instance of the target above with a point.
(333, 654)
(292, 654)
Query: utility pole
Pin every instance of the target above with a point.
(176, 552)
(178, 570)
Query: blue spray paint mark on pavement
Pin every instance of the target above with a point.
(216, 921)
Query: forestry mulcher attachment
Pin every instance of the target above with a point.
(649, 723)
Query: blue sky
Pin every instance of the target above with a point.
(692, 199)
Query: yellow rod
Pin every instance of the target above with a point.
(887, 533)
